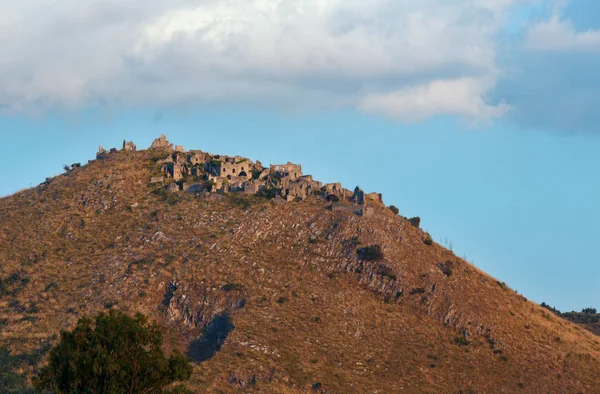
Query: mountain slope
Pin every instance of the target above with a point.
(271, 297)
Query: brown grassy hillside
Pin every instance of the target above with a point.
(284, 288)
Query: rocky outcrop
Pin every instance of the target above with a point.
(196, 306)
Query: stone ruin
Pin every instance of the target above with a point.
(200, 172)
(102, 153)
(161, 143)
(129, 146)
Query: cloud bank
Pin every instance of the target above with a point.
(403, 59)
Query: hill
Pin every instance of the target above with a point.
(282, 288)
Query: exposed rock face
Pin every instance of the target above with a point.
(161, 143)
(196, 307)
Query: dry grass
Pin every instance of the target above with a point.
(314, 315)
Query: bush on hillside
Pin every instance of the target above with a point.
(371, 253)
(113, 353)
(394, 209)
(416, 221)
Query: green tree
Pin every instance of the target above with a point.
(113, 353)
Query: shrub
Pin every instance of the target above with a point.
(550, 308)
(416, 221)
(333, 198)
(371, 253)
(394, 209)
(230, 287)
(446, 267)
(428, 241)
(113, 353)
(269, 192)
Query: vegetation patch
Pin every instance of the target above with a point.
(13, 284)
(170, 198)
(129, 347)
(231, 286)
(10, 379)
(460, 340)
(371, 253)
(586, 316)
(446, 267)
(415, 222)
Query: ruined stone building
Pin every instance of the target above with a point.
(231, 167)
(129, 145)
(200, 172)
(161, 143)
(289, 170)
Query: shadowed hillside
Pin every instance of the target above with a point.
(264, 295)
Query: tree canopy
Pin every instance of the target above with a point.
(113, 353)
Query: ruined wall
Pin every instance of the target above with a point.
(231, 167)
(293, 171)
(375, 197)
(198, 157)
(359, 196)
(335, 189)
(174, 171)
(161, 143)
(102, 153)
(129, 145)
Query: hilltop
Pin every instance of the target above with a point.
(270, 281)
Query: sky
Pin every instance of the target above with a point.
(479, 116)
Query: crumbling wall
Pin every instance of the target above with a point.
(161, 143)
(293, 171)
(129, 146)
(102, 153)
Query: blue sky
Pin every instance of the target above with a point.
(479, 116)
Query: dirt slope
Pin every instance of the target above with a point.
(271, 298)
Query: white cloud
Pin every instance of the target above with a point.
(463, 97)
(278, 52)
(559, 35)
